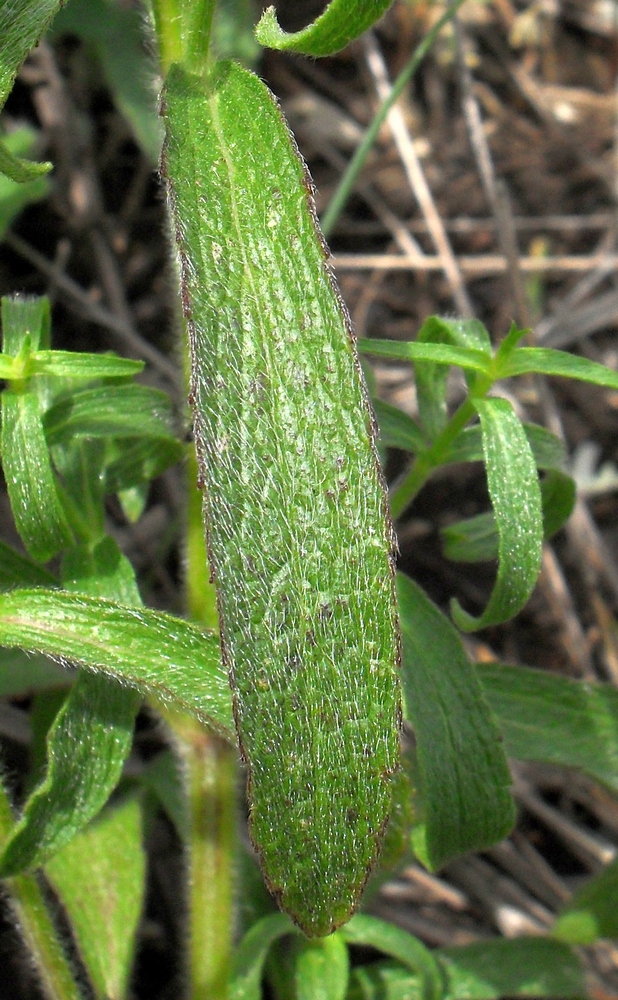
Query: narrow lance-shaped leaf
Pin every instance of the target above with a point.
(161, 656)
(251, 955)
(72, 364)
(26, 320)
(516, 500)
(462, 765)
(36, 505)
(296, 514)
(444, 354)
(547, 361)
(341, 23)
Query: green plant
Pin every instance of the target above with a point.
(301, 549)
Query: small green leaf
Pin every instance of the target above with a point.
(592, 913)
(322, 969)
(99, 878)
(19, 170)
(462, 765)
(26, 322)
(15, 196)
(299, 541)
(547, 361)
(516, 499)
(72, 364)
(397, 429)
(36, 505)
(341, 23)
(385, 937)
(161, 656)
(509, 343)
(443, 354)
(133, 501)
(584, 718)
(109, 411)
(251, 955)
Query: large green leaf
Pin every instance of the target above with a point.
(516, 500)
(161, 656)
(583, 729)
(463, 770)
(299, 540)
(99, 878)
(341, 23)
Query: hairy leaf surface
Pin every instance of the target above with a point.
(299, 538)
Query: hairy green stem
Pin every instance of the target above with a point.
(183, 29)
(212, 800)
(37, 928)
(357, 162)
(168, 26)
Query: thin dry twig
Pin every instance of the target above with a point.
(416, 177)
